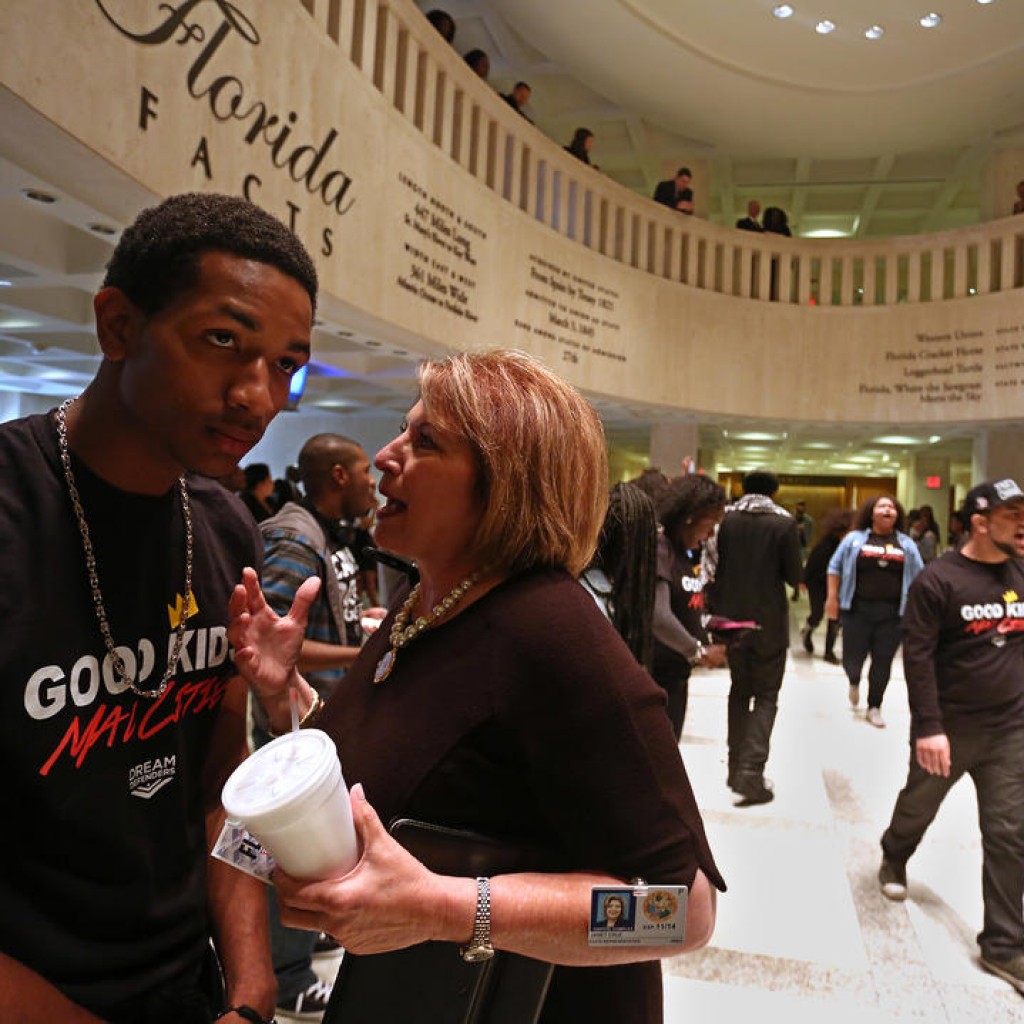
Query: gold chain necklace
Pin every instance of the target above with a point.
(403, 634)
(116, 661)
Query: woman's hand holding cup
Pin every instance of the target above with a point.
(388, 901)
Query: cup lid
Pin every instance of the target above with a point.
(279, 778)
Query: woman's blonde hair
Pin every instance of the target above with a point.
(540, 448)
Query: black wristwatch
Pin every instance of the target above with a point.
(246, 1013)
(479, 947)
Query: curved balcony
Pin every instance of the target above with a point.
(427, 83)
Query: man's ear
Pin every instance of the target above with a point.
(118, 321)
(339, 474)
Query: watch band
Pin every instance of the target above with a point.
(479, 947)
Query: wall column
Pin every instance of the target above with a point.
(670, 443)
(918, 493)
(998, 454)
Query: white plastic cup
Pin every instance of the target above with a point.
(291, 796)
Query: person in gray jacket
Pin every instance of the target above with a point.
(315, 537)
(756, 556)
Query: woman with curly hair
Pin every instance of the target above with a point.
(689, 509)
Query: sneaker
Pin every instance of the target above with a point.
(832, 659)
(874, 717)
(805, 635)
(309, 1005)
(854, 693)
(1011, 970)
(325, 945)
(892, 879)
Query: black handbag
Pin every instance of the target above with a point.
(430, 982)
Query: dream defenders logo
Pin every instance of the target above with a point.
(147, 779)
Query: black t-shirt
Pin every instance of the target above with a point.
(686, 594)
(963, 646)
(880, 569)
(103, 859)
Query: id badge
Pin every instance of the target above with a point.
(241, 849)
(638, 915)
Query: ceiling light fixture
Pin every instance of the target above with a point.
(783, 11)
(931, 20)
(103, 229)
(825, 27)
(6, 284)
(875, 32)
(38, 196)
(986, 1)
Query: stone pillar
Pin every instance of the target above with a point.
(918, 493)
(998, 454)
(670, 443)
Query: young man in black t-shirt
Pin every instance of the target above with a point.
(963, 655)
(120, 710)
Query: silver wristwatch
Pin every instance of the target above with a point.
(479, 947)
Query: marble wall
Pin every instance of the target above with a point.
(258, 99)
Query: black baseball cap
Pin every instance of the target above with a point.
(990, 495)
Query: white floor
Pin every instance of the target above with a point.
(803, 934)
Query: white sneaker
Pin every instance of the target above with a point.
(854, 695)
(874, 717)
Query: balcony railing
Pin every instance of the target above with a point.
(406, 60)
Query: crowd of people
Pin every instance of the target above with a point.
(504, 684)
(676, 192)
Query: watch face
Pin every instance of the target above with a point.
(474, 954)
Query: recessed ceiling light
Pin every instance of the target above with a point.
(986, 1)
(6, 284)
(897, 439)
(875, 32)
(38, 196)
(824, 27)
(103, 229)
(783, 11)
(931, 20)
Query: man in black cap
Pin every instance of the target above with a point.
(963, 657)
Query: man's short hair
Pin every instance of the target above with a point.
(256, 473)
(760, 481)
(522, 85)
(319, 455)
(157, 257)
(684, 170)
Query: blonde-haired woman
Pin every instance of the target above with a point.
(497, 698)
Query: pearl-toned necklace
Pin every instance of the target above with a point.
(403, 634)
